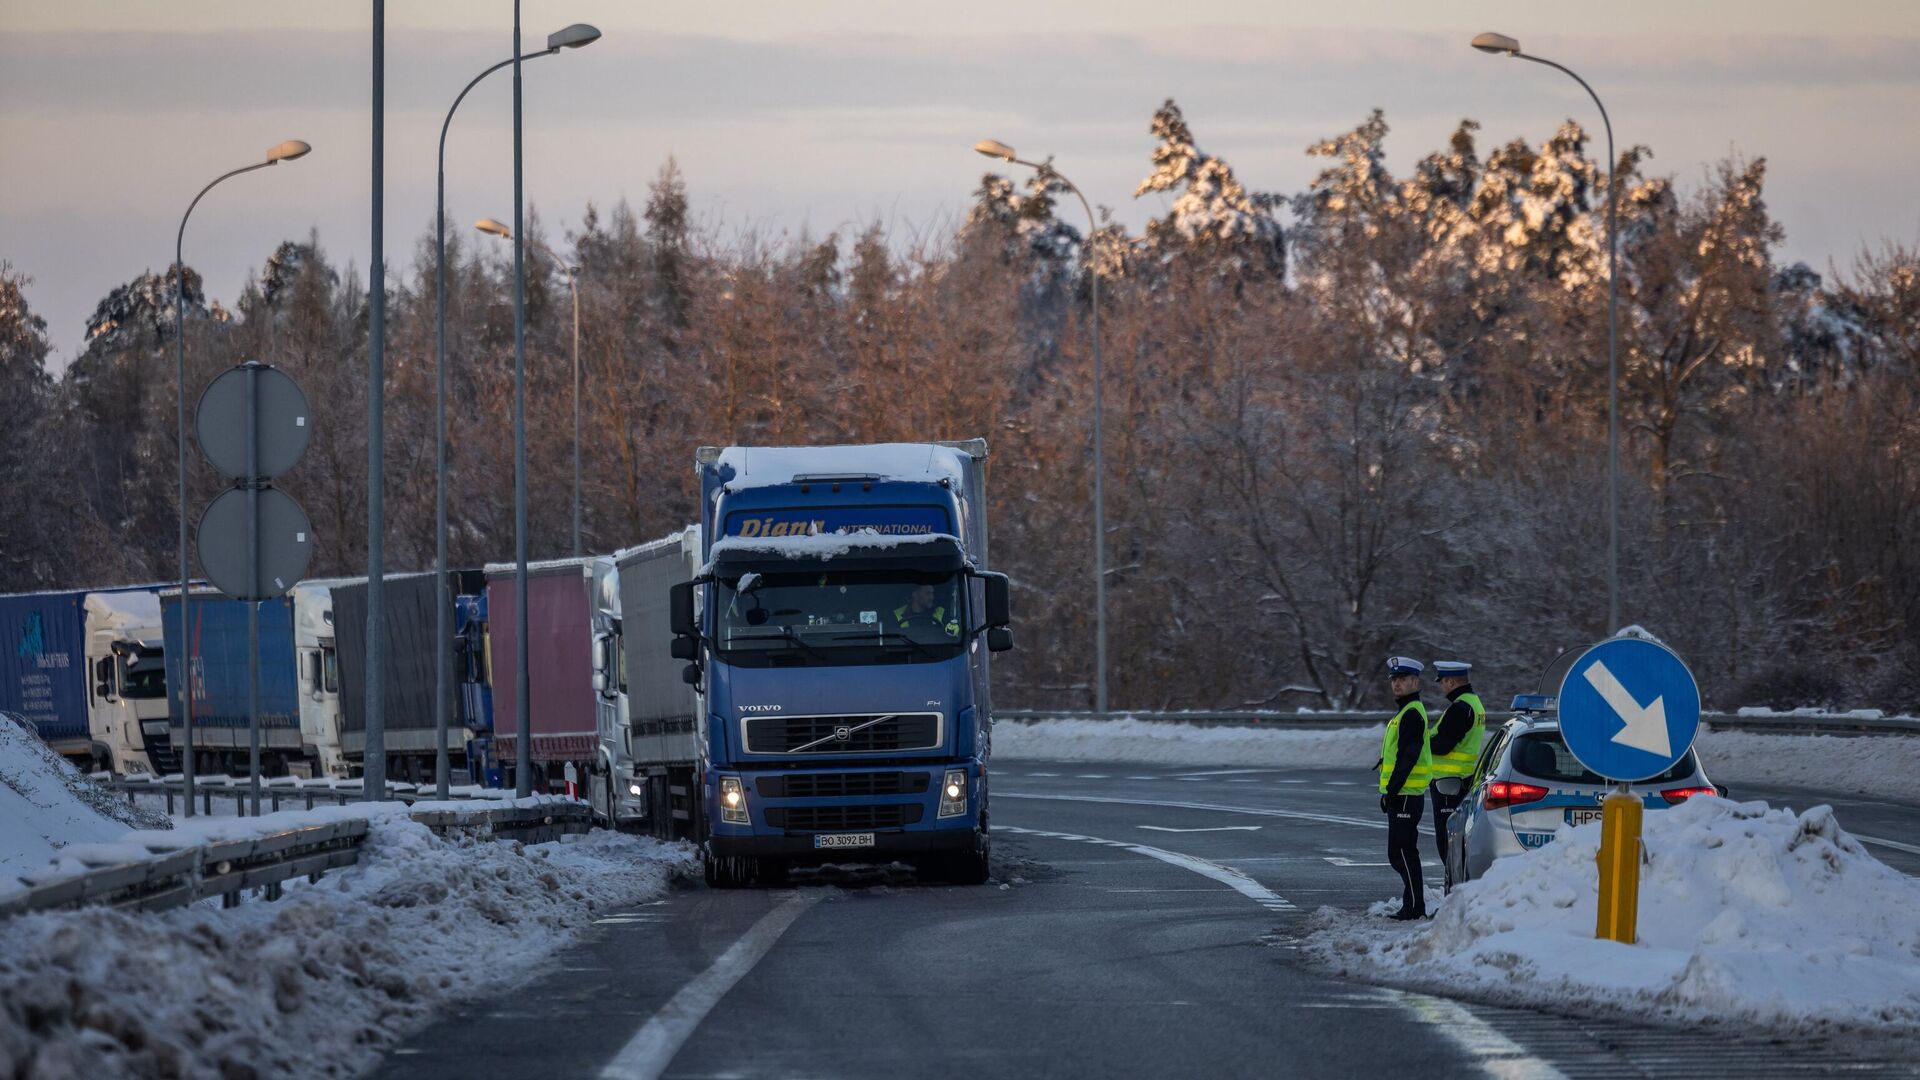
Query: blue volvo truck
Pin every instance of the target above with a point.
(838, 635)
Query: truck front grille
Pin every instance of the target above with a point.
(841, 785)
(843, 818)
(873, 733)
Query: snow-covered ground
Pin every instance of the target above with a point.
(1883, 765)
(314, 984)
(1749, 915)
(46, 803)
(320, 981)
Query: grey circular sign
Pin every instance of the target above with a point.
(220, 420)
(286, 544)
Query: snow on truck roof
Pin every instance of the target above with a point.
(827, 546)
(135, 606)
(765, 466)
(541, 565)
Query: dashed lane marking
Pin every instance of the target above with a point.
(1225, 875)
(653, 1047)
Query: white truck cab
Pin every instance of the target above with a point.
(318, 680)
(126, 679)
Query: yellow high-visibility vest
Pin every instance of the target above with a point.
(1411, 721)
(1460, 760)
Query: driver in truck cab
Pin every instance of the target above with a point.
(923, 609)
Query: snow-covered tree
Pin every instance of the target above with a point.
(1213, 218)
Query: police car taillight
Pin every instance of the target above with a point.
(1506, 793)
(1676, 796)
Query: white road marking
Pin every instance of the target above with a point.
(1029, 774)
(1219, 772)
(1216, 828)
(1080, 776)
(653, 1047)
(1894, 844)
(1296, 815)
(1143, 778)
(1225, 875)
(1498, 1056)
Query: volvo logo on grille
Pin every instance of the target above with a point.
(759, 708)
(843, 733)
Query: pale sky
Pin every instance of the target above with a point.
(829, 114)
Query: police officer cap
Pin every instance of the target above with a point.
(1458, 668)
(1404, 665)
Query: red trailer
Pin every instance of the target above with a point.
(559, 662)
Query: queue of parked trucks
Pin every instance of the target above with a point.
(799, 677)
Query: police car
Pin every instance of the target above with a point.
(1528, 786)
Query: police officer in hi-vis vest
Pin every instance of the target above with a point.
(1406, 767)
(1455, 740)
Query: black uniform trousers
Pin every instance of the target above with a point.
(1403, 846)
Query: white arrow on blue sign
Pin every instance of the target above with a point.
(1629, 709)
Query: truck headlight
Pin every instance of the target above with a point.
(953, 794)
(635, 790)
(733, 802)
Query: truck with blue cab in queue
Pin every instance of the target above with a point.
(838, 636)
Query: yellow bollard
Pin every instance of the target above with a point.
(1619, 860)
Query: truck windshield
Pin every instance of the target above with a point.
(840, 617)
(145, 677)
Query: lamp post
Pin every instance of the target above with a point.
(286, 151)
(1501, 44)
(1002, 151)
(572, 37)
(495, 228)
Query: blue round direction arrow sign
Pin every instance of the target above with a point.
(1629, 709)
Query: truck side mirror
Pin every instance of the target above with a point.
(103, 675)
(999, 638)
(999, 611)
(690, 674)
(684, 624)
(686, 648)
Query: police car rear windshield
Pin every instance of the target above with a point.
(1543, 755)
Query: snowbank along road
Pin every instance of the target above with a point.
(1145, 920)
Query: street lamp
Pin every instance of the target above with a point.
(286, 151)
(1003, 152)
(1501, 44)
(571, 37)
(495, 228)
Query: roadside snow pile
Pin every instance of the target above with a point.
(46, 804)
(1747, 914)
(1884, 765)
(1146, 742)
(318, 983)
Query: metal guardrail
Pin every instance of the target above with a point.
(281, 793)
(171, 877)
(1775, 723)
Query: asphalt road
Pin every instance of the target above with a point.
(1140, 924)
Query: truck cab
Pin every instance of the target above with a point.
(839, 632)
(318, 678)
(127, 675)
